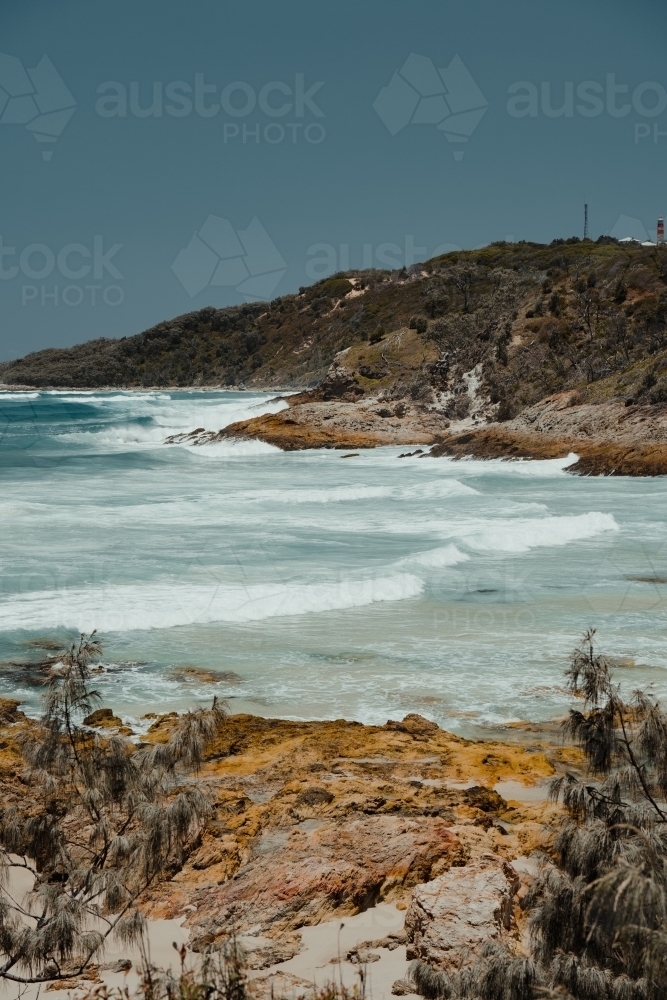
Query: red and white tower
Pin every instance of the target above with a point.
(661, 229)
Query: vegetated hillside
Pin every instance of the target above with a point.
(535, 318)
(289, 342)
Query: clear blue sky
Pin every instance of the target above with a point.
(100, 201)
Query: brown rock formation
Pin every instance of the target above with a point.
(314, 820)
(326, 424)
(450, 917)
(608, 438)
(318, 867)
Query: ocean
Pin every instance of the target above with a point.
(312, 584)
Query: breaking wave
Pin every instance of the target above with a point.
(523, 534)
(166, 605)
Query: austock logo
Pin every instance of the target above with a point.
(36, 98)
(280, 110)
(591, 99)
(222, 257)
(420, 94)
(87, 269)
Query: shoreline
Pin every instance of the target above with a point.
(137, 720)
(589, 458)
(7, 387)
(609, 438)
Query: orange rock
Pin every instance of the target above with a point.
(318, 819)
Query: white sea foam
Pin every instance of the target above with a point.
(335, 494)
(132, 530)
(543, 468)
(522, 534)
(445, 555)
(434, 490)
(230, 448)
(165, 605)
(148, 420)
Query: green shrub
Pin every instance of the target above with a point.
(505, 410)
(418, 323)
(336, 288)
(658, 393)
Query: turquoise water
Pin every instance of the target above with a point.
(316, 586)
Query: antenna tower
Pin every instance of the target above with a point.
(586, 221)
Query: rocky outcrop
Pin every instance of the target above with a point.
(452, 916)
(369, 423)
(323, 819)
(104, 718)
(609, 439)
(320, 820)
(636, 447)
(317, 868)
(565, 414)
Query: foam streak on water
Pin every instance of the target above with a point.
(317, 587)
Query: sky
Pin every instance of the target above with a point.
(161, 156)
